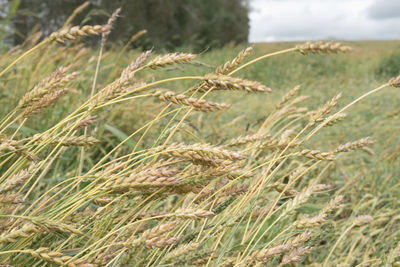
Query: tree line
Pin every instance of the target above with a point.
(169, 23)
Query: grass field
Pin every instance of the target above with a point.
(287, 192)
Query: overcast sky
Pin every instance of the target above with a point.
(294, 20)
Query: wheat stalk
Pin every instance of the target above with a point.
(57, 258)
(289, 95)
(223, 82)
(323, 47)
(110, 23)
(169, 59)
(72, 33)
(395, 82)
(294, 256)
(231, 65)
(361, 143)
(197, 104)
(55, 82)
(45, 102)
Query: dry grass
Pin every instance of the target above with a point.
(182, 188)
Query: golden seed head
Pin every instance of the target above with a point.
(159, 230)
(363, 220)
(169, 59)
(223, 82)
(231, 65)
(242, 140)
(45, 102)
(16, 233)
(86, 122)
(310, 222)
(201, 153)
(197, 104)
(363, 142)
(315, 154)
(294, 256)
(332, 120)
(161, 242)
(72, 33)
(395, 82)
(53, 83)
(110, 23)
(193, 214)
(323, 47)
(289, 95)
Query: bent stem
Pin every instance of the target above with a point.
(336, 244)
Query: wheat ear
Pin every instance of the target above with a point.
(72, 33)
(323, 47)
(197, 104)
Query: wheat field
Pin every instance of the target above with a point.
(267, 155)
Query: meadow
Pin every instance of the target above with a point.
(266, 155)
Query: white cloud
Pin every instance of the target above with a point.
(292, 20)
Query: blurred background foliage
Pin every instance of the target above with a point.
(170, 24)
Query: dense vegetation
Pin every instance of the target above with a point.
(117, 157)
(170, 24)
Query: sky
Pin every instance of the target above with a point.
(295, 20)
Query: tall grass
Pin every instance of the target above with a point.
(144, 169)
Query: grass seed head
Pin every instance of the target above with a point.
(157, 231)
(161, 242)
(54, 226)
(18, 178)
(110, 23)
(121, 85)
(363, 220)
(53, 83)
(45, 102)
(280, 187)
(11, 198)
(266, 254)
(307, 222)
(201, 153)
(57, 258)
(333, 204)
(223, 82)
(17, 233)
(289, 95)
(350, 146)
(181, 251)
(315, 154)
(68, 140)
(86, 122)
(153, 177)
(334, 119)
(193, 214)
(72, 33)
(395, 82)
(242, 140)
(318, 115)
(323, 47)
(197, 104)
(295, 255)
(169, 59)
(232, 65)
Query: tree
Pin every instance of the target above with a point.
(170, 24)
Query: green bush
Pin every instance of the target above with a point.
(389, 66)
